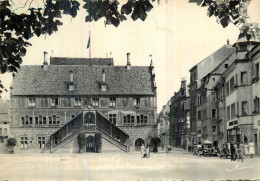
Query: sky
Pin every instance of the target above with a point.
(178, 34)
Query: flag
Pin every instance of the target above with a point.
(88, 42)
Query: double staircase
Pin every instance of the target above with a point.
(77, 125)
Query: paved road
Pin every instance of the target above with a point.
(177, 165)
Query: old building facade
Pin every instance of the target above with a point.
(4, 124)
(164, 125)
(180, 117)
(52, 101)
(237, 97)
(199, 92)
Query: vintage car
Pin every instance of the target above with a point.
(197, 150)
(225, 151)
(209, 149)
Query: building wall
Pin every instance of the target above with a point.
(124, 106)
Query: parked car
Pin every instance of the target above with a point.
(197, 149)
(225, 151)
(210, 150)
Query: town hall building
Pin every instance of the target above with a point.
(51, 104)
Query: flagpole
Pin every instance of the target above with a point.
(90, 44)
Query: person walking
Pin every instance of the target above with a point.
(251, 147)
(232, 150)
(142, 150)
(147, 151)
(246, 148)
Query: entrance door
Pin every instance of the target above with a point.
(90, 144)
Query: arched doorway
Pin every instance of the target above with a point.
(138, 143)
(89, 118)
(90, 144)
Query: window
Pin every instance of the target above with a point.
(257, 70)
(24, 142)
(54, 121)
(77, 102)
(243, 77)
(256, 105)
(199, 115)
(41, 142)
(232, 84)
(1, 131)
(213, 79)
(226, 65)
(213, 113)
(36, 119)
(95, 102)
(128, 120)
(199, 99)
(244, 108)
(142, 119)
(113, 102)
(233, 111)
(72, 122)
(213, 96)
(214, 130)
(54, 102)
(227, 88)
(5, 131)
(136, 101)
(26, 121)
(228, 112)
(204, 115)
(31, 102)
(112, 118)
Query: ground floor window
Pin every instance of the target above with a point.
(41, 142)
(129, 120)
(24, 142)
(112, 118)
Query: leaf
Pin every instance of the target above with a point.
(199, 2)
(12, 69)
(135, 14)
(59, 23)
(3, 68)
(224, 21)
(126, 9)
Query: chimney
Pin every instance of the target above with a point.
(71, 83)
(45, 63)
(103, 76)
(71, 76)
(103, 83)
(128, 66)
(152, 67)
(227, 41)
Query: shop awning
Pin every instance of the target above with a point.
(247, 130)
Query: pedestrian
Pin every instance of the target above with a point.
(189, 148)
(147, 151)
(246, 148)
(240, 155)
(232, 150)
(251, 147)
(242, 148)
(142, 150)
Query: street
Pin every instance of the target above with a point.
(175, 165)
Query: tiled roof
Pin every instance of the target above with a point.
(219, 55)
(3, 107)
(80, 61)
(33, 80)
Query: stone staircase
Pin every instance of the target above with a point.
(110, 132)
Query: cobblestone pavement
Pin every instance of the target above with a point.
(176, 165)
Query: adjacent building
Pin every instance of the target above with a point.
(4, 123)
(198, 93)
(53, 103)
(180, 117)
(164, 125)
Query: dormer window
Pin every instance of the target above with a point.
(31, 102)
(54, 102)
(77, 102)
(95, 102)
(112, 102)
(136, 102)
